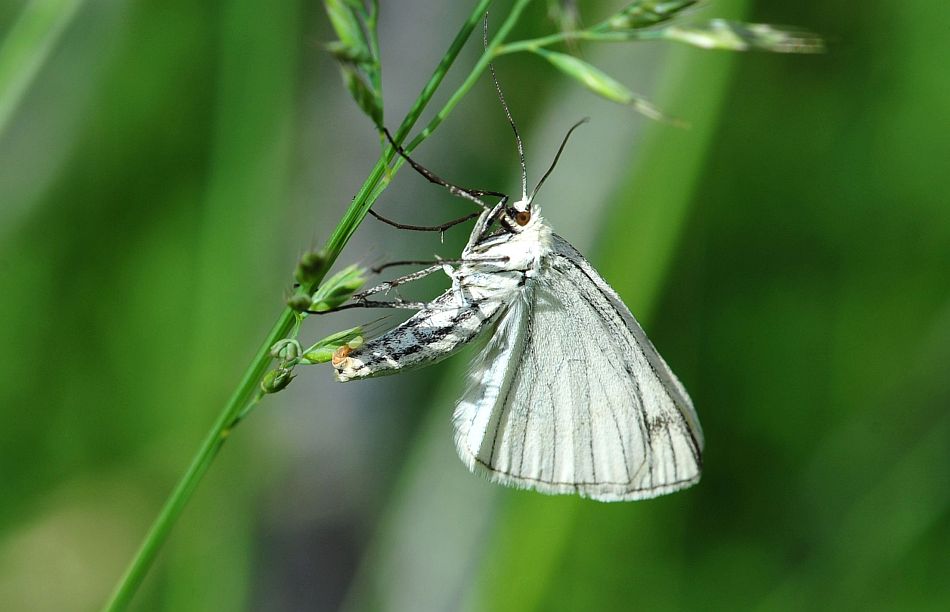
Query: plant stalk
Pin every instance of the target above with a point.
(179, 497)
(248, 387)
(491, 51)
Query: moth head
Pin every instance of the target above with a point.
(520, 212)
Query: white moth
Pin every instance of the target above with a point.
(569, 395)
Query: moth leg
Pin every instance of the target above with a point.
(482, 226)
(424, 228)
(396, 303)
(400, 280)
(445, 263)
(364, 303)
(471, 195)
(489, 214)
(416, 262)
(359, 300)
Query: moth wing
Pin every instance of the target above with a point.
(569, 396)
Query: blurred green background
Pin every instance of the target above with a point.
(789, 254)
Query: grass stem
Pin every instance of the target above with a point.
(248, 387)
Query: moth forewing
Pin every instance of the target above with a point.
(657, 364)
(566, 399)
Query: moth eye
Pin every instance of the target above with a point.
(523, 217)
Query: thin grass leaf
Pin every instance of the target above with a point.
(738, 36)
(601, 83)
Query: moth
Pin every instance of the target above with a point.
(568, 395)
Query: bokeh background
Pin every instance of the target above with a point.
(789, 254)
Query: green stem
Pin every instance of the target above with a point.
(248, 386)
(199, 465)
(472, 77)
(552, 39)
(534, 44)
(490, 52)
(372, 187)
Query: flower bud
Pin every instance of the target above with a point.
(310, 266)
(287, 349)
(338, 288)
(276, 380)
(299, 303)
(323, 350)
(321, 354)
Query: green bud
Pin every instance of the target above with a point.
(310, 266)
(276, 380)
(321, 307)
(338, 288)
(287, 349)
(342, 337)
(322, 354)
(299, 303)
(322, 351)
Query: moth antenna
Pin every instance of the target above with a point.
(511, 121)
(558, 156)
